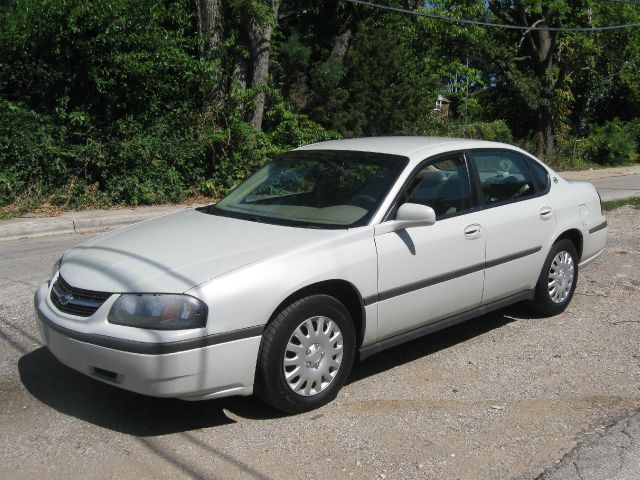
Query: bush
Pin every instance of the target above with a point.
(97, 101)
(181, 154)
(237, 150)
(29, 151)
(613, 143)
(633, 128)
(497, 131)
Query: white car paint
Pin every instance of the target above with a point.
(245, 272)
(135, 259)
(421, 253)
(518, 227)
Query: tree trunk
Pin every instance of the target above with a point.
(584, 110)
(544, 136)
(341, 45)
(540, 46)
(209, 25)
(210, 28)
(259, 45)
(239, 71)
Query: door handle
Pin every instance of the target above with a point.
(473, 231)
(546, 213)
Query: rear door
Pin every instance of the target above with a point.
(519, 220)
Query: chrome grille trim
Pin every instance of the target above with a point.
(76, 301)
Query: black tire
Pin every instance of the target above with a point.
(543, 303)
(271, 385)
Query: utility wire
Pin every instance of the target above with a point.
(467, 21)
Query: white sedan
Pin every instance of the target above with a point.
(333, 251)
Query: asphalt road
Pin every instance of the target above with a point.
(610, 453)
(617, 188)
(507, 395)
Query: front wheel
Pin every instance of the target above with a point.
(306, 354)
(557, 281)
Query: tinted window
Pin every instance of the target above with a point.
(314, 188)
(504, 176)
(442, 185)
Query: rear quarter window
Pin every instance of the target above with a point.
(541, 174)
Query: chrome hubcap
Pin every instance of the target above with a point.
(561, 276)
(313, 356)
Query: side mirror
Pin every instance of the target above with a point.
(409, 215)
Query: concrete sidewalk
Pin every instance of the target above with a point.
(612, 183)
(600, 173)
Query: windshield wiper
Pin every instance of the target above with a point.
(213, 210)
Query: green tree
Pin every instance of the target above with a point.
(536, 66)
(115, 87)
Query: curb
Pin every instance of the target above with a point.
(80, 222)
(35, 229)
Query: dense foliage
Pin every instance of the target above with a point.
(149, 101)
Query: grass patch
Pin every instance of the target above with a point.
(34, 203)
(613, 204)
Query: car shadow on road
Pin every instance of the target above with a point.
(429, 344)
(77, 395)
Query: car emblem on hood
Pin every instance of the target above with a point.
(66, 298)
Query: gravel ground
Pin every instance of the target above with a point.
(503, 396)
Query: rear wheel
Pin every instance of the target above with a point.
(557, 281)
(306, 354)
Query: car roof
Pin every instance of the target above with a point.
(406, 146)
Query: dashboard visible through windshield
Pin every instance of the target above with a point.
(314, 188)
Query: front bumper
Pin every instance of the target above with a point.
(220, 369)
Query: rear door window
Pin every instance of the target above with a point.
(504, 176)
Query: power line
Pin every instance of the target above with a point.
(467, 21)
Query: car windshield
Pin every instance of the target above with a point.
(314, 188)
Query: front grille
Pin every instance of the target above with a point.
(76, 301)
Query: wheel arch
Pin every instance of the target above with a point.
(343, 291)
(574, 236)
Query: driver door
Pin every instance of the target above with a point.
(429, 273)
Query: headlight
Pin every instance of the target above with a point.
(158, 311)
(54, 272)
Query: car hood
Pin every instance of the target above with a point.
(174, 253)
